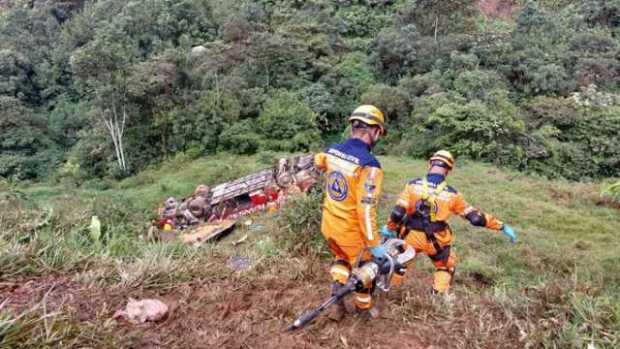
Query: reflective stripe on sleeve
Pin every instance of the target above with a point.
(469, 210)
(337, 164)
(362, 298)
(340, 271)
(371, 178)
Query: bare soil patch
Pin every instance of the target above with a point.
(499, 9)
(253, 314)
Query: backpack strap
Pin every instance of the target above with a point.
(430, 197)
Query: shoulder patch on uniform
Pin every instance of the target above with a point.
(337, 186)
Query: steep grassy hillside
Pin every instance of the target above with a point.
(558, 287)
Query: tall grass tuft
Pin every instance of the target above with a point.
(297, 225)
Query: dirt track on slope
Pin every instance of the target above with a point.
(254, 314)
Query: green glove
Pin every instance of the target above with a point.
(509, 233)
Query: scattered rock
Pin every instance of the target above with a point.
(199, 51)
(237, 263)
(138, 312)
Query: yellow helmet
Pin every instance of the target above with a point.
(370, 115)
(445, 157)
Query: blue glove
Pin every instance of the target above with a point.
(378, 252)
(509, 233)
(387, 233)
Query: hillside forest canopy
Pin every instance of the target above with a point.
(103, 89)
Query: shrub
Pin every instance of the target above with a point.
(298, 224)
(550, 79)
(392, 101)
(476, 84)
(287, 124)
(424, 84)
(240, 138)
(475, 129)
(580, 135)
(612, 191)
(395, 51)
(319, 99)
(347, 81)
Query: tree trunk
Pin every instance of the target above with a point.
(163, 137)
(116, 128)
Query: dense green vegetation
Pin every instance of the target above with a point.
(106, 88)
(557, 288)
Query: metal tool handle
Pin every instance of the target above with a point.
(310, 316)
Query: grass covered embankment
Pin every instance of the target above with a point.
(558, 287)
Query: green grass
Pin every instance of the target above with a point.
(556, 221)
(561, 282)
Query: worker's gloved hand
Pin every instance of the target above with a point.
(378, 252)
(386, 233)
(509, 233)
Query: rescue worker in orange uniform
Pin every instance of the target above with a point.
(353, 186)
(421, 218)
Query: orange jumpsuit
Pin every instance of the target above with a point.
(412, 218)
(349, 224)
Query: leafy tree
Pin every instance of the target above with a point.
(476, 84)
(550, 79)
(604, 13)
(66, 121)
(473, 129)
(240, 138)
(576, 135)
(440, 17)
(15, 76)
(361, 21)
(394, 51)
(102, 70)
(273, 60)
(392, 101)
(321, 101)
(287, 124)
(26, 151)
(154, 85)
(216, 111)
(423, 84)
(347, 81)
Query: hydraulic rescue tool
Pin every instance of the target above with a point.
(377, 272)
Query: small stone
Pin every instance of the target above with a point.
(237, 263)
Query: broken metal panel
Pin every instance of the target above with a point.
(244, 185)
